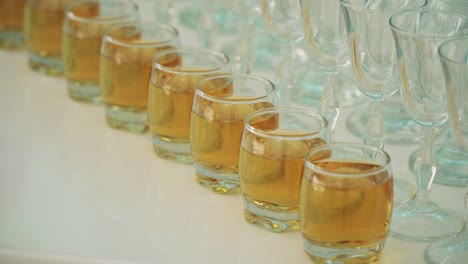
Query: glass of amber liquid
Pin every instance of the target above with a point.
(42, 24)
(346, 203)
(83, 30)
(125, 69)
(220, 105)
(11, 23)
(170, 96)
(273, 147)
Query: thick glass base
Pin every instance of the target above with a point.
(452, 250)
(272, 217)
(130, 119)
(399, 127)
(173, 149)
(85, 91)
(47, 65)
(341, 254)
(452, 165)
(421, 220)
(219, 182)
(11, 40)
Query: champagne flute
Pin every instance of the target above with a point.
(417, 35)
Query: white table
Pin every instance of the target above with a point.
(73, 190)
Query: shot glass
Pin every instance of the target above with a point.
(43, 20)
(83, 30)
(125, 69)
(346, 203)
(11, 23)
(170, 96)
(220, 105)
(273, 147)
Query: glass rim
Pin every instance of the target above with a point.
(149, 44)
(348, 145)
(287, 109)
(223, 59)
(446, 43)
(420, 11)
(347, 3)
(101, 20)
(271, 89)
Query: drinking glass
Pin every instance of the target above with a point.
(219, 107)
(453, 55)
(326, 35)
(42, 24)
(274, 144)
(170, 96)
(458, 6)
(83, 29)
(11, 23)
(417, 35)
(125, 69)
(346, 203)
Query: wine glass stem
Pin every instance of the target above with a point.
(284, 74)
(424, 166)
(329, 105)
(375, 132)
(245, 48)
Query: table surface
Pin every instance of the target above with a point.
(73, 190)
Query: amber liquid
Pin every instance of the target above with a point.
(271, 169)
(124, 83)
(43, 29)
(217, 132)
(11, 15)
(346, 212)
(170, 102)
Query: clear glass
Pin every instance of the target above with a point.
(417, 35)
(346, 203)
(42, 24)
(274, 144)
(170, 96)
(125, 68)
(83, 28)
(11, 23)
(219, 107)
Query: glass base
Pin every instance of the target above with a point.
(399, 127)
(452, 166)
(173, 149)
(323, 254)
(11, 40)
(422, 221)
(48, 66)
(452, 250)
(271, 218)
(403, 191)
(219, 182)
(129, 119)
(85, 91)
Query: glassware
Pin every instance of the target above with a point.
(11, 23)
(417, 35)
(219, 107)
(125, 68)
(43, 21)
(274, 144)
(170, 96)
(83, 29)
(346, 203)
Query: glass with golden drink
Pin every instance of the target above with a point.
(125, 69)
(170, 96)
(83, 30)
(273, 147)
(11, 23)
(43, 20)
(346, 203)
(220, 105)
